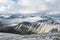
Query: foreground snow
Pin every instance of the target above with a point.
(49, 36)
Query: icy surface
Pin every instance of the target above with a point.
(49, 36)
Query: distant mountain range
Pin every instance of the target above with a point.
(11, 19)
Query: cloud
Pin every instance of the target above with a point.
(34, 5)
(28, 6)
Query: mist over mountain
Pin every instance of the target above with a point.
(14, 19)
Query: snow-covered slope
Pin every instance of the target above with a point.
(35, 28)
(48, 36)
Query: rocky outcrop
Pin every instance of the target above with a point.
(31, 28)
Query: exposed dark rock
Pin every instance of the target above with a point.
(54, 30)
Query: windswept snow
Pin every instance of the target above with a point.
(48, 36)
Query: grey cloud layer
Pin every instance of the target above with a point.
(28, 6)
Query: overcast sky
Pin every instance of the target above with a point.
(29, 6)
